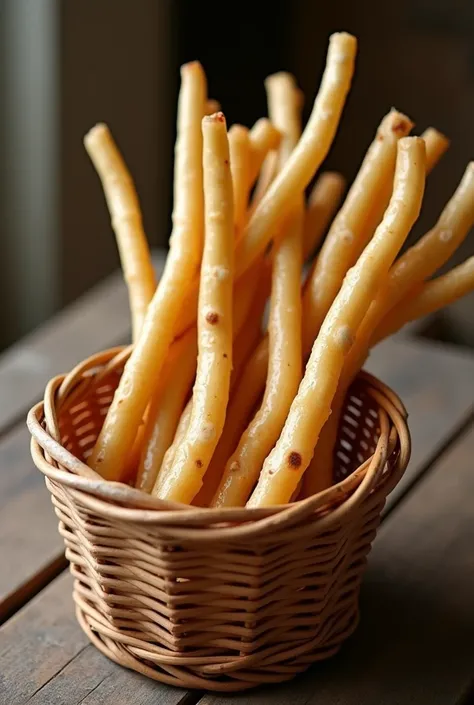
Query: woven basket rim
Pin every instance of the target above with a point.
(118, 500)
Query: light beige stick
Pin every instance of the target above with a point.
(124, 208)
(284, 368)
(166, 407)
(240, 155)
(211, 389)
(169, 456)
(264, 139)
(307, 157)
(336, 256)
(436, 145)
(323, 203)
(237, 416)
(419, 262)
(146, 361)
(428, 298)
(287, 462)
(347, 235)
(266, 176)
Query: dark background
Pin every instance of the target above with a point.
(66, 65)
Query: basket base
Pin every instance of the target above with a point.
(122, 649)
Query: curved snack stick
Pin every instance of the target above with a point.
(284, 367)
(308, 155)
(165, 408)
(428, 298)
(264, 139)
(436, 146)
(169, 456)
(239, 149)
(249, 336)
(211, 389)
(246, 397)
(420, 261)
(287, 462)
(266, 176)
(237, 413)
(124, 208)
(148, 356)
(323, 202)
(177, 376)
(347, 235)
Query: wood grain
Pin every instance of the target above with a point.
(46, 658)
(436, 383)
(414, 643)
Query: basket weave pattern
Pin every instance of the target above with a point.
(205, 598)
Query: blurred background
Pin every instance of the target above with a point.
(65, 65)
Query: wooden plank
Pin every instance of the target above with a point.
(433, 382)
(98, 320)
(436, 383)
(46, 658)
(414, 643)
(31, 553)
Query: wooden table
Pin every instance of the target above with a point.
(415, 643)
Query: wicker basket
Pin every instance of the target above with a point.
(214, 599)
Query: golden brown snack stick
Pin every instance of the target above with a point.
(323, 203)
(266, 176)
(246, 397)
(347, 235)
(211, 389)
(124, 208)
(311, 407)
(419, 262)
(240, 155)
(436, 146)
(236, 417)
(307, 157)
(166, 407)
(284, 367)
(264, 139)
(428, 298)
(148, 356)
(169, 456)
(251, 333)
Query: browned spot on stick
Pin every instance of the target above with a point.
(294, 459)
(212, 317)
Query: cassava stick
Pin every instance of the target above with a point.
(124, 208)
(362, 209)
(287, 462)
(428, 298)
(235, 419)
(307, 157)
(240, 156)
(323, 203)
(145, 363)
(166, 407)
(264, 139)
(284, 368)
(168, 459)
(347, 235)
(211, 389)
(413, 267)
(304, 160)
